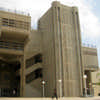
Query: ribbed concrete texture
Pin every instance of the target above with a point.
(48, 61)
(60, 29)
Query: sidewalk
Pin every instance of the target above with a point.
(65, 98)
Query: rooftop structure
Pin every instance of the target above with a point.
(14, 11)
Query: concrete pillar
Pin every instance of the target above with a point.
(0, 26)
(58, 46)
(22, 77)
(91, 90)
(79, 51)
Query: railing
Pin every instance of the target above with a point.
(11, 45)
(89, 45)
(15, 23)
(34, 60)
(8, 92)
(96, 67)
(14, 11)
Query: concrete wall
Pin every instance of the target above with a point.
(95, 80)
(15, 26)
(34, 89)
(71, 51)
(90, 58)
(58, 39)
(33, 48)
(34, 45)
(90, 64)
(61, 50)
(48, 46)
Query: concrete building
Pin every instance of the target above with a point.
(60, 30)
(14, 34)
(96, 82)
(52, 53)
(90, 65)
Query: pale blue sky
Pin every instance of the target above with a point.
(96, 9)
(89, 11)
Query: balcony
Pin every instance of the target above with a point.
(30, 69)
(14, 28)
(11, 47)
(92, 67)
(89, 45)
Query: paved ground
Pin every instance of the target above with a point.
(69, 98)
(82, 98)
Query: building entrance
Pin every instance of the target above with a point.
(9, 81)
(90, 90)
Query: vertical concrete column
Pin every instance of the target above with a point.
(58, 46)
(0, 26)
(22, 77)
(79, 51)
(91, 91)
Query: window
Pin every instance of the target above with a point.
(30, 62)
(4, 21)
(34, 75)
(38, 58)
(11, 22)
(34, 60)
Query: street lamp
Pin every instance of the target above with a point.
(60, 83)
(43, 83)
(85, 77)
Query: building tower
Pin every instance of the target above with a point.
(14, 33)
(62, 63)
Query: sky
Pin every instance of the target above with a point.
(88, 13)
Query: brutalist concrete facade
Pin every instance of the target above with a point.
(52, 53)
(62, 50)
(14, 33)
